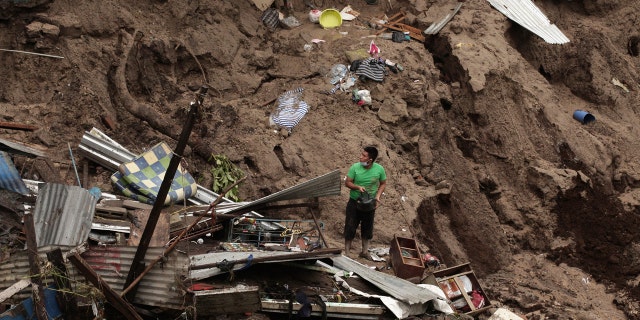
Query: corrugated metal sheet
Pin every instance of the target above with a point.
(63, 215)
(528, 15)
(326, 185)
(107, 153)
(159, 288)
(398, 288)
(20, 148)
(435, 27)
(9, 176)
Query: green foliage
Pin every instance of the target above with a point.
(225, 173)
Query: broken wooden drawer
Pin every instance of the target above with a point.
(406, 259)
(461, 286)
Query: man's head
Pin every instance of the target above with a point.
(372, 152)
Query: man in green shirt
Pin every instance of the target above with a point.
(371, 177)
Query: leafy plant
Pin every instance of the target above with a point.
(225, 173)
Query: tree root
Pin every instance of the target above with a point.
(120, 95)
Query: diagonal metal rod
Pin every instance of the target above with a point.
(137, 265)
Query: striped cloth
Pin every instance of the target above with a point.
(140, 179)
(372, 68)
(291, 109)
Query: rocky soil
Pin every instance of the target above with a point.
(485, 163)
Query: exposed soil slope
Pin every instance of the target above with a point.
(485, 162)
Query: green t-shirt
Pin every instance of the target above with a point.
(368, 178)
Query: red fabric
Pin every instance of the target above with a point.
(201, 286)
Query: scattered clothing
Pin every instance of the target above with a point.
(291, 109)
(371, 68)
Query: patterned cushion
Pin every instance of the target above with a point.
(140, 179)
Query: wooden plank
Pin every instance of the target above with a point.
(393, 20)
(333, 308)
(131, 204)
(111, 212)
(17, 126)
(440, 279)
(160, 235)
(227, 301)
(463, 290)
(414, 33)
(112, 202)
(13, 289)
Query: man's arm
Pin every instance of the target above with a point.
(349, 184)
(381, 187)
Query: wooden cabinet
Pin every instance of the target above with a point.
(406, 259)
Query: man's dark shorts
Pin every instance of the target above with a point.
(355, 218)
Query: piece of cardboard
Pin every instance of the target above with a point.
(262, 4)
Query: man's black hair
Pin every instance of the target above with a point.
(372, 152)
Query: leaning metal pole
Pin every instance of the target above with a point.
(138, 265)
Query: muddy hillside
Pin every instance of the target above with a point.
(486, 163)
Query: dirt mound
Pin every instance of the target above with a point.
(485, 162)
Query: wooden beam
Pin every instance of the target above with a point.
(17, 126)
(112, 297)
(66, 300)
(236, 300)
(311, 209)
(34, 268)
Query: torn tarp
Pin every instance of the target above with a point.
(9, 176)
(140, 178)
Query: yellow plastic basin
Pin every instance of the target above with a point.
(330, 18)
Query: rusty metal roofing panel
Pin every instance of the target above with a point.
(326, 185)
(158, 288)
(435, 27)
(63, 215)
(9, 176)
(16, 268)
(528, 15)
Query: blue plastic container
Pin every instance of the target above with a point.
(583, 116)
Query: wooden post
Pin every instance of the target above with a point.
(34, 268)
(112, 297)
(312, 208)
(85, 174)
(137, 265)
(66, 300)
